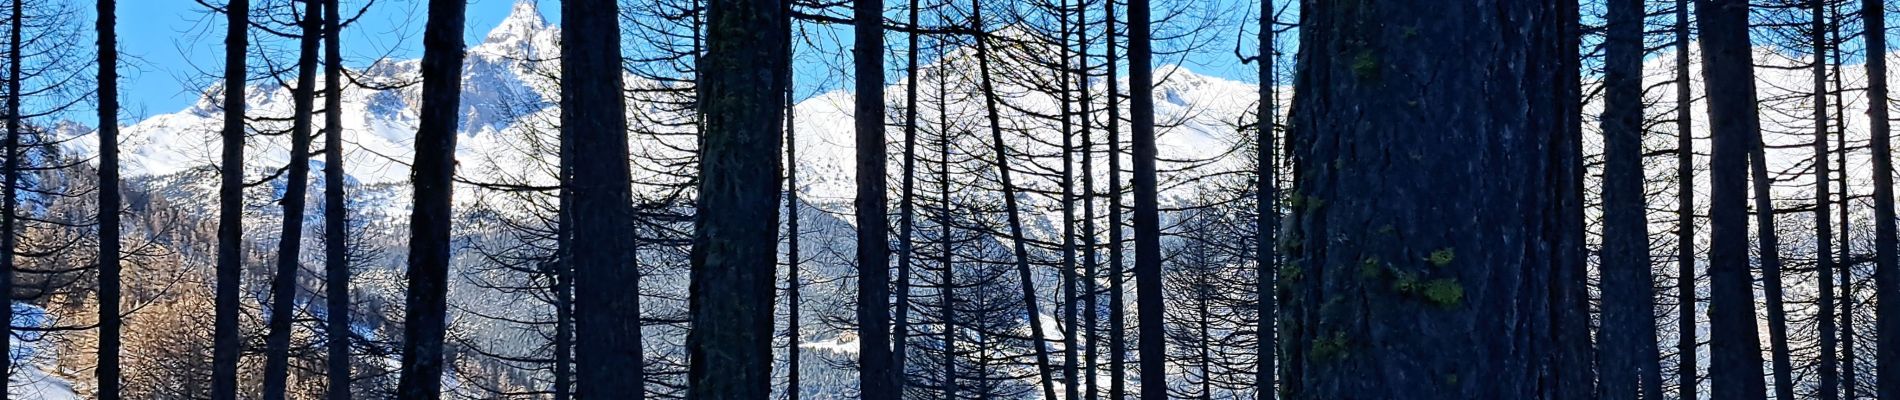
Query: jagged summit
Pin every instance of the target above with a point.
(523, 22)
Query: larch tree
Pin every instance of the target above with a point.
(609, 355)
(425, 322)
(1735, 350)
(1686, 344)
(284, 288)
(1886, 268)
(741, 90)
(1383, 294)
(227, 336)
(336, 243)
(1627, 341)
(110, 322)
(1152, 342)
(877, 380)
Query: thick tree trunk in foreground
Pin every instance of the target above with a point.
(428, 275)
(1685, 214)
(742, 100)
(1886, 270)
(608, 351)
(1402, 252)
(1735, 350)
(1152, 341)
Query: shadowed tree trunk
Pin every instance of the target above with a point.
(427, 312)
(1148, 302)
(1401, 250)
(1627, 342)
(608, 350)
(336, 258)
(1685, 214)
(742, 100)
(225, 338)
(296, 184)
(877, 380)
(1823, 228)
(1117, 306)
(1886, 271)
(107, 370)
(1734, 348)
(1020, 252)
(1266, 214)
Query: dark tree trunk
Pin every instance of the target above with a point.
(877, 380)
(1071, 356)
(1032, 307)
(1266, 213)
(1823, 227)
(947, 246)
(1569, 300)
(608, 355)
(1091, 293)
(1886, 271)
(1117, 273)
(225, 338)
(1148, 302)
(793, 285)
(336, 259)
(1769, 254)
(296, 184)
(907, 211)
(9, 199)
(1735, 350)
(424, 323)
(741, 100)
(1686, 345)
(107, 370)
(1627, 342)
(1384, 293)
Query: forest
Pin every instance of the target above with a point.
(948, 199)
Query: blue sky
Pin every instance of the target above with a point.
(174, 48)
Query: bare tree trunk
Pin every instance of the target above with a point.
(297, 183)
(1117, 307)
(1685, 214)
(792, 282)
(1628, 338)
(1148, 300)
(609, 356)
(225, 339)
(741, 99)
(1266, 211)
(900, 338)
(336, 260)
(1735, 350)
(110, 321)
(877, 380)
(1487, 253)
(1886, 271)
(1032, 307)
(429, 252)
(1823, 227)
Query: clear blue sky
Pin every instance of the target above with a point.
(175, 48)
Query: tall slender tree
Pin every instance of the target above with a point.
(225, 338)
(1627, 344)
(1011, 210)
(1685, 214)
(297, 183)
(110, 321)
(1117, 272)
(1735, 350)
(1384, 294)
(336, 256)
(424, 324)
(1886, 268)
(1266, 215)
(907, 209)
(1147, 218)
(877, 380)
(1823, 227)
(794, 286)
(741, 100)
